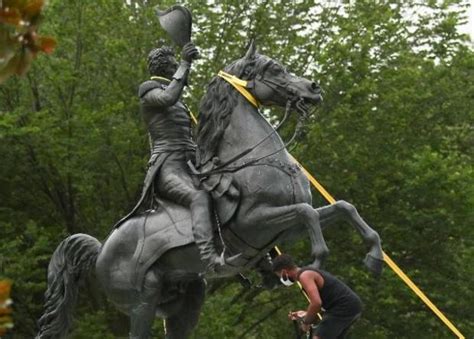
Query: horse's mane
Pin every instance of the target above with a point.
(218, 103)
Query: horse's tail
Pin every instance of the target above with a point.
(70, 262)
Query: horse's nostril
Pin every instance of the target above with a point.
(314, 86)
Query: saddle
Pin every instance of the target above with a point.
(224, 193)
(170, 225)
(167, 227)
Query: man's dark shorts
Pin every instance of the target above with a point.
(334, 327)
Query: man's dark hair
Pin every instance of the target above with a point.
(283, 261)
(158, 60)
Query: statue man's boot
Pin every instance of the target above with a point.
(204, 237)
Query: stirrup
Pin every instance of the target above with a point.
(230, 261)
(226, 266)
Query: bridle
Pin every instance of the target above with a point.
(282, 89)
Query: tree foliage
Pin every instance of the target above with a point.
(20, 43)
(393, 136)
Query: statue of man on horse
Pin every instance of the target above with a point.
(152, 263)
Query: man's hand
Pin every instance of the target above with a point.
(189, 52)
(298, 315)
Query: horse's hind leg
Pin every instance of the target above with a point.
(180, 325)
(344, 210)
(282, 218)
(143, 313)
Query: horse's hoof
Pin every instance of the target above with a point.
(375, 265)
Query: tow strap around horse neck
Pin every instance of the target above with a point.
(240, 85)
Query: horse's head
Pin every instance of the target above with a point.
(260, 80)
(271, 84)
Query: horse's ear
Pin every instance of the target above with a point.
(251, 51)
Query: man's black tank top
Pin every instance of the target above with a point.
(337, 298)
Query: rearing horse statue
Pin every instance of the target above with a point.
(150, 265)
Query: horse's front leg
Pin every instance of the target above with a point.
(280, 219)
(342, 210)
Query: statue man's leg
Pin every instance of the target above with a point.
(202, 228)
(175, 183)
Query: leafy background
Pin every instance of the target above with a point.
(394, 136)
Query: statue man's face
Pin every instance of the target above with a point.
(170, 67)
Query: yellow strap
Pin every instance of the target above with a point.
(239, 85)
(232, 79)
(390, 262)
(155, 77)
(193, 117)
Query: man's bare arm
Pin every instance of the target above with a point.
(308, 282)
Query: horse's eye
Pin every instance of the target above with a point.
(276, 68)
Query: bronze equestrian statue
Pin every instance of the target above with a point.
(151, 265)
